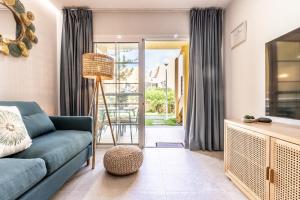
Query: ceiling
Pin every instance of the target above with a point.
(140, 4)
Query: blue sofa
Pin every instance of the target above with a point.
(60, 147)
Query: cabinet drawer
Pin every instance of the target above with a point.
(246, 160)
(285, 161)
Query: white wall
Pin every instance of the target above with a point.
(150, 24)
(245, 65)
(6, 30)
(33, 78)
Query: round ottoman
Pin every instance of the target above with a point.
(123, 160)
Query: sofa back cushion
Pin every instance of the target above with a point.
(35, 119)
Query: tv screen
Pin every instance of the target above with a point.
(283, 76)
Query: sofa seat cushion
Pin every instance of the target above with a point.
(57, 148)
(19, 175)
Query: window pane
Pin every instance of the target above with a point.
(128, 73)
(128, 52)
(121, 94)
(128, 88)
(106, 48)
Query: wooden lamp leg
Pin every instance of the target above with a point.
(96, 119)
(108, 117)
(95, 124)
(93, 100)
(90, 112)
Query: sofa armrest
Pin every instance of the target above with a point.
(80, 123)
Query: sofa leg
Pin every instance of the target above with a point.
(88, 162)
(93, 162)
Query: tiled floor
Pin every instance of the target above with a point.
(163, 134)
(166, 174)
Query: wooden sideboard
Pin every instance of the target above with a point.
(263, 160)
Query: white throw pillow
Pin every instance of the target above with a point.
(13, 134)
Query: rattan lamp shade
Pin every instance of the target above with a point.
(98, 65)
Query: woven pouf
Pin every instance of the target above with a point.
(123, 160)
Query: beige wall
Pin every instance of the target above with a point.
(245, 65)
(142, 24)
(33, 78)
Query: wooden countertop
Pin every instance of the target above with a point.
(281, 131)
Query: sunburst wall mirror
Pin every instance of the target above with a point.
(25, 37)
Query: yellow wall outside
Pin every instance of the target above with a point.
(185, 52)
(165, 44)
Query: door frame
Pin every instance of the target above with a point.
(155, 39)
(141, 49)
(141, 40)
(142, 92)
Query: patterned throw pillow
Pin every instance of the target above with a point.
(13, 134)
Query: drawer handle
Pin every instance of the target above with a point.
(268, 173)
(272, 176)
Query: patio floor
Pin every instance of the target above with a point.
(153, 134)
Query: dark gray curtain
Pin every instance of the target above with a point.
(205, 110)
(77, 39)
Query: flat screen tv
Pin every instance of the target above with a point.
(283, 76)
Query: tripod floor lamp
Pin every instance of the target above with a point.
(98, 67)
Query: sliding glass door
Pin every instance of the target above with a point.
(123, 95)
